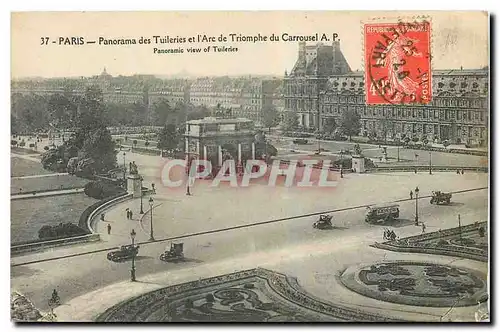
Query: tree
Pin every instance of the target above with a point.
(290, 121)
(350, 123)
(387, 127)
(101, 148)
(329, 126)
(60, 108)
(161, 112)
(270, 117)
(168, 138)
(30, 112)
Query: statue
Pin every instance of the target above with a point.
(357, 149)
(133, 168)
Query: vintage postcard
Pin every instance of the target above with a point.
(279, 166)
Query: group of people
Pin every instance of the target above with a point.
(130, 214)
(460, 172)
(389, 235)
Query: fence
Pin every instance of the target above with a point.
(421, 168)
(40, 245)
(99, 207)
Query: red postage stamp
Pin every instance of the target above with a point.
(397, 63)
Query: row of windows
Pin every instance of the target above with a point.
(426, 114)
(460, 131)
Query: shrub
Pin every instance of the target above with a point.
(60, 231)
(101, 189)
(46, 148)
(32, 145)
(13, 142)
(134, 142)
(22, 143)
(147, 143)
(94, 189)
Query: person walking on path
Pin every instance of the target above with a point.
(411, 194)
(102, 216)
(423, 228)
(109, 229)
(130, 213)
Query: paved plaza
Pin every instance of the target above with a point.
(288, 245)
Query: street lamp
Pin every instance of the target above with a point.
(132, 271)
(151, 237)
(142, 211)
(416, 206)
(430, 162)
(398, 142)
(124, 166)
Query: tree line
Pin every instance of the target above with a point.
(33, 112)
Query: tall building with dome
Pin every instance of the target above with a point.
(322, 85)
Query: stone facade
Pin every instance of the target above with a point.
(206, 135)
(322, 86)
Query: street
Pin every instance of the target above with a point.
(78, 275)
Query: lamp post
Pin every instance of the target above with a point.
(124, 166)
(398, 142)
(416, 206)
(151, 237)
(430, 162)
(132, 271)
(142, 211)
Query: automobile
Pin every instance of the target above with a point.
(175, 254)
(300, 141)
(123, 253)
(378, 214)
(439, 197)
(324, 222)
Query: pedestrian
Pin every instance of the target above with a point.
(423, 228)
(109, 229)
(411, 194)
(462, 171)
(415, 170)
(126, 210)
(153, 186)
(458, 171)
(102, 216)
(130, 214)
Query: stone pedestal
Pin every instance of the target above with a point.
(384, 157)
(134, 185)
(358, 163)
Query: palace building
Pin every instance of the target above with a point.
(322, 85)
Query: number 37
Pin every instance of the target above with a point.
(44, 40)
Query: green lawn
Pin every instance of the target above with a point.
(23, 167)
(29, 215)
(46, 183)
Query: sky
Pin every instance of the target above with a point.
(459, 39)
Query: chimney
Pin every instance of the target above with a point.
(302, 51)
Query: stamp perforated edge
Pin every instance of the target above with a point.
(395, 19)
